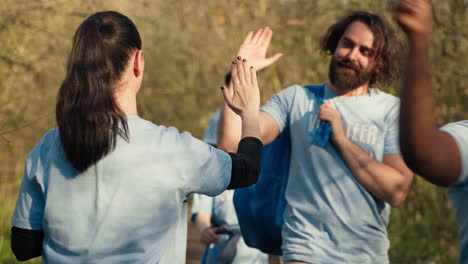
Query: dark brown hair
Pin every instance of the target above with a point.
(88, 117)
(387, 48)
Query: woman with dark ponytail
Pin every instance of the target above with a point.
(106, 186)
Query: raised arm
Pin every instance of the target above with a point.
(253, 49)
(428, 151)
(243, 98)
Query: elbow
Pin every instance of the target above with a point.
(425, 169)
(19, 253)
(22, 258)
(26, 244)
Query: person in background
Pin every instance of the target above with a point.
(339, 195)
(440, 156)
(216, 220)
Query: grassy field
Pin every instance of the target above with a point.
(188, 45)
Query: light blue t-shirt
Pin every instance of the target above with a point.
(458, 192)
(130, 207)
(221, 209)
(330, 217)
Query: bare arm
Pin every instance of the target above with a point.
(430, 152)
(254, 49)
(230, 126)
(389, 180)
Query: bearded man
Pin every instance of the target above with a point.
(339, 195)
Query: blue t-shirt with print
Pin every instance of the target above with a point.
(330, 217)
(458, 192)
(130, 207)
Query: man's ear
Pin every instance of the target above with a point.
(138, 64)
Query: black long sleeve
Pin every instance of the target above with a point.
(26, 244)
(246, 163)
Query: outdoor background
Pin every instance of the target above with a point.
(188, 46)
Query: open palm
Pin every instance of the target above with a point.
(255, 46)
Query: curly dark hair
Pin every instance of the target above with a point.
(387, 47)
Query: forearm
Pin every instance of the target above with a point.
(417, 125)
(229, 130)
(431, 153)
(380, 179)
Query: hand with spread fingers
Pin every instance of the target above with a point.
(328, 113)
(255, 46)
(243, 95)
(414, 17)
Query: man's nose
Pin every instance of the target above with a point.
(352, 54)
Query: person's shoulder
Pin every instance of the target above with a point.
(300, 91)
(48, 140)
(292, 89)
(386, 101)
(459, 126)
(384, 96)
(140, 123)
(459, 132)
(163, 134)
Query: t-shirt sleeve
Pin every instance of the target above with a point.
(207, 169)
(30, 204)
(391, 141)
(459, 131)
(279, 106)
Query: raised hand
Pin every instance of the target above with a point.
(414, 17)
(243, 96)
(255, 46)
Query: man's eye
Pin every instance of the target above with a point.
(365, 52)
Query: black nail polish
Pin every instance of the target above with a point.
(244, 60)
(233, 62)
(251, 67)
(238, 57)
(222, 88)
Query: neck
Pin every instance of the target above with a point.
(361, 90)
(126, 100)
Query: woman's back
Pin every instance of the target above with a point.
(129, 207)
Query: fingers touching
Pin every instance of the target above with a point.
(243, 94)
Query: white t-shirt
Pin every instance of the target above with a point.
(458, 192)
(130, 207)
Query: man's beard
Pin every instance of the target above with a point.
(347, 76)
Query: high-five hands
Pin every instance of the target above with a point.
(243, 95)
(414, 17)
(255, 46)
